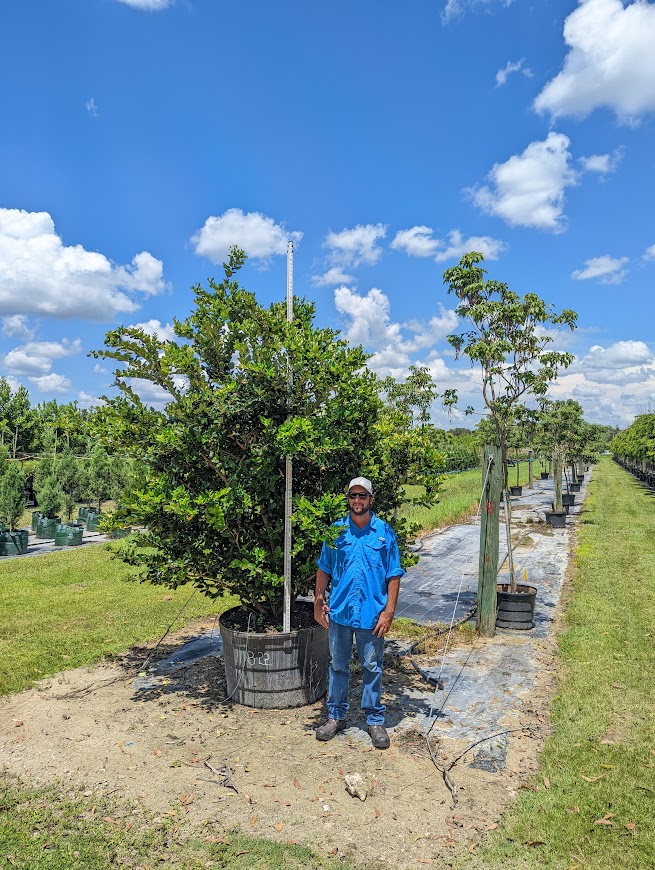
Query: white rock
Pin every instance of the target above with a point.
(356, 786)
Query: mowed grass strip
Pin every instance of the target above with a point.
(460, 497)
(61, 829)
(592, 805)
(71, 608)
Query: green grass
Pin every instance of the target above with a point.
(459, 498)
(598, 810)
(66, 609)
(56, 829)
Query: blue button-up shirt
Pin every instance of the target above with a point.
(360, 564)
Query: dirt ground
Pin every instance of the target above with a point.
(182, 753)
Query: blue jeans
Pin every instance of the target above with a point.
(370, 650)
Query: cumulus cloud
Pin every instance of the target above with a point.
(18, 326)
(258, 235)
(416, 242)
(368, 322)
(148, 5)
(606, 269)
(356, 246)
(528, 190)
(610, 62)
(154, 327)
(649, 254)
(52, 383)
(602, 163)
(41, 275)
(512, 66)
(36, 357)
(458, 245)
(419, 242)
(335, 275)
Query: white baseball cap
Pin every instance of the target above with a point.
(361, 481)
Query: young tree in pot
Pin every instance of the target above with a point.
(212, 508)
(558, 432)
(507, 337)
(12, 505)
(50, 501)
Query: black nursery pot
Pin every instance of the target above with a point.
(515, 610)
(278, 669)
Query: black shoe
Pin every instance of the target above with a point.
(379, 736)
(329, 729)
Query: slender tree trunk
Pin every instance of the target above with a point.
(492, 479)
(557, 476)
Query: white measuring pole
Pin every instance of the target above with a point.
(288, 476)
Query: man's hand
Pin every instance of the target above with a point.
(321, 611)
(383, 624)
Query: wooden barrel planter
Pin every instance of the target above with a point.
(275, 670)
(556, 519)
(515, 610)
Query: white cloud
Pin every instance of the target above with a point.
(51, 383)
(39, 274)
(86, 400)
(154, 327)
(621, 354)
(91, 107)
(608, 270)
(18, 326)
(148, 5)
(458, 245)
(416, 242)
(419, 242)
(528, 189)
(649, 254)
(356, 246)
(602, 163)
(512, 67)
(456, 8)
(610, 62)
(36, 357)
(335, 275)
(258, 235)
(369, 323)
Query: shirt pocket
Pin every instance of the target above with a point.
(375, 552)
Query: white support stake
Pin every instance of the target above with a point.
(288, 476)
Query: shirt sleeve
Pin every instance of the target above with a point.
(393, 562)
(324, 561)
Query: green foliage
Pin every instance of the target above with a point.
(12, 495)
(213, 498)
(50, 497)
(637, 442)
(508, 337)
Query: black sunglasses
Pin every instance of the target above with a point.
(360, 495)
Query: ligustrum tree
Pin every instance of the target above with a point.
(212, 504)
(508, 337)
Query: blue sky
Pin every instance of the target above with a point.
(141, 137)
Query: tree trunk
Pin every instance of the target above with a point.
(493, 474)
(557, 477)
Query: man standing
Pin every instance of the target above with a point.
(364, 565)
